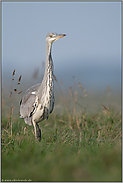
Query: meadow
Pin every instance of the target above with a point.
(75, 145)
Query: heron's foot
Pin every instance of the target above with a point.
(38, 134)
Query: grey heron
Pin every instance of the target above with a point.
(38, 101)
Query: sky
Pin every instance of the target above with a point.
(91, 50)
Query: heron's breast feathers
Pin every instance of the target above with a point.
(36, 107)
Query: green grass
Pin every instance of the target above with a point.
(73, 148)
(75, 145)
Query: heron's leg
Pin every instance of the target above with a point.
(38, 133)
(34, 124)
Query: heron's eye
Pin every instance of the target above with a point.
(52, 35)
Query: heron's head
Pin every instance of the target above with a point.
(51, 37)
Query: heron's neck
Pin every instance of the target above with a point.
(49, 62)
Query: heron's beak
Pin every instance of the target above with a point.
(60, 36)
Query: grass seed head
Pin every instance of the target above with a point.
(106, 108)
(19, 78)
(81, 86)
(13, 72)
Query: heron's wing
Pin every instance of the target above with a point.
(34, 88)
(29, 92)
(29, 103)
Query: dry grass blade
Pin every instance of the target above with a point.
(6, 131)
(55, 78)
(70, 92)
(10, 100)
(106, 109)
(116, 136)
(84, 91)
(81, 86)
(10, 93)
(11, 107)
(35, 74)
(19, 92)
(77, 121)
(74, 105)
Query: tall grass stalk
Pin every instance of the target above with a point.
(12, 100)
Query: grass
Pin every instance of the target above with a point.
(74, 146)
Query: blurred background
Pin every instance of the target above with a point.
(89, 55)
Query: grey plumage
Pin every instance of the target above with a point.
(38, 101)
